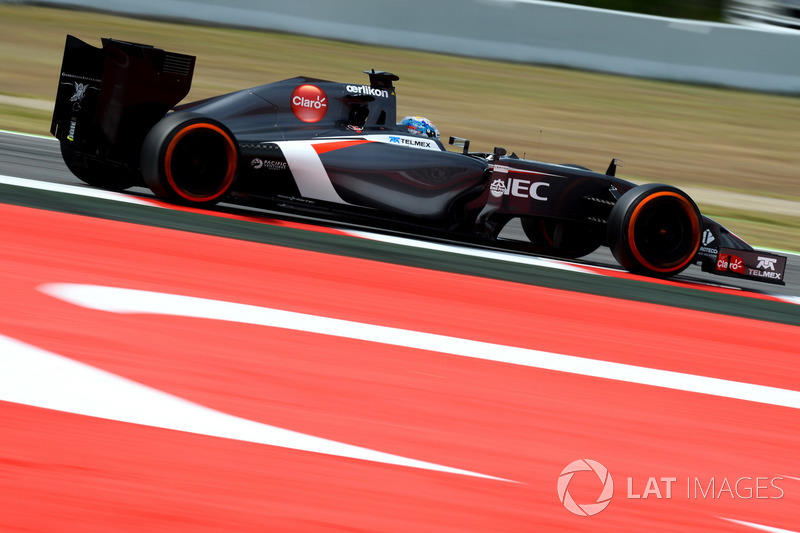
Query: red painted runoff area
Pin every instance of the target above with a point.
(678, 460)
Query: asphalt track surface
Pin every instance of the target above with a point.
(172, 370)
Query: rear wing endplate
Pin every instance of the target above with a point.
(108, 98)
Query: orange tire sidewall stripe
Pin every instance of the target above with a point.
(230, 153)
(686, 206)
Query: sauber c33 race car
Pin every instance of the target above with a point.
(336, 151)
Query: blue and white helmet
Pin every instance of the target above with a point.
(420, 126)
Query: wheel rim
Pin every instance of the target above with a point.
(200, 162)
(664, 232)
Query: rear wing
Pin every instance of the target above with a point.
(108, 98)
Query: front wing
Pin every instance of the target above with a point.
(757, 265)
(724, 253)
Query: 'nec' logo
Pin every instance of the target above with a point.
(520, 189)
(766, 263)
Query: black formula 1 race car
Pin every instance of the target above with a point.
(336, 150)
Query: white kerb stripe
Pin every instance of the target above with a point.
(36, 377)
(759, 527)
(119, 300)
(81, 190)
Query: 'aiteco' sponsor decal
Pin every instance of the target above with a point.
(309, 103)
(706, 244)
(366, 90)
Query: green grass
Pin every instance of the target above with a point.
(664, 132)
(14, 118)
(766, 230)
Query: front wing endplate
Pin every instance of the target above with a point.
(756, 265)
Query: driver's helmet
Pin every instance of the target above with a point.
(420, 126)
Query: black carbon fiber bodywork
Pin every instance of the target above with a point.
(337, 150)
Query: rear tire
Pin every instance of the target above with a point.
(654, 230)
(569, 239)
(189, 159)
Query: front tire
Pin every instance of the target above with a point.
(654, 230)
(189, 159)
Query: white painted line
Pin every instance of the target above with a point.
(472, 252)
(759, 527)
(516, 258)
(36, 377)
(73, 189)
(510, 257)
(119, 300)
(32, 135)
(789, 299)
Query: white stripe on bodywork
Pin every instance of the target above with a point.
(309, 174)
(505, 169)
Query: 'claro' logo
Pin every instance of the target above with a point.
(309, 103)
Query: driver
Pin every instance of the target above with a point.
(420, 126)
